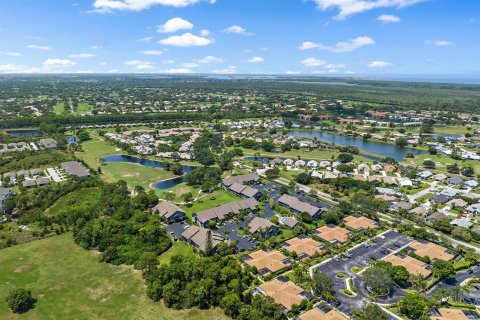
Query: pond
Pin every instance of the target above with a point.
(23, 133)
(160, 185)
(382, 149)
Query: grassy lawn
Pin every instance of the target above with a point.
(289, 174)
(70, 283)
(442, 161)
(317, 155)
(95, 149)
(59, 109)
(211, 200)
(84, 108)
(79, 200)
(178, 190)
(424, 198)
(178, 248)
(134, 174)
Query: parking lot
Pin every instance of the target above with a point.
(473, 296)
(244, 243)
(360, 256)
(175, 230)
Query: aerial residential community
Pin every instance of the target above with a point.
(221, 160)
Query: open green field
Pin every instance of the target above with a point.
(442, 161)
(96, 149)
(83, 108)
(178, 191)
(59, 109)
(70, 283)
(211, 200)
(134, 174)
(77, 200)
(178, 248)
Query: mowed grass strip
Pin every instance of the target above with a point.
(70, 283)
(96, 149)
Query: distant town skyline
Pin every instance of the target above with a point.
(310, 37)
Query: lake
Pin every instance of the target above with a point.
(160, 185)
(382, 149)
(23, 133)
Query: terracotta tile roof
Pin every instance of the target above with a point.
(284, 293)
(317, 314)
(358, 223)
(431, 250)
(332, 234)
(413, 266)
(450, 314)
(303, 246)
(272, 260)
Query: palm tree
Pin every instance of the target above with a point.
(456, 293)
(418, 283)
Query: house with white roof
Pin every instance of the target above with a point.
(405, 182)
(312, 164)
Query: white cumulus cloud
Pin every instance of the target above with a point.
(237, 29)
(340, 47)
(439, 43)
(17, 68)
(139, 64)
(190, 65)
(379, 64)
(34, 46)
(82, 55)
(175, 24)
(179, 70)
(186, 40)
(145, 39)
(313, 62)
(58, 63)
(151, 52)
(227, 70)
(255, 59)
(210, 59)
(348, 8)
(103, 6)
(55, 64)
(13, 54)
(388, 18)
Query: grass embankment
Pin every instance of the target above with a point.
(178, 248)
(70, 283)
(77, 200)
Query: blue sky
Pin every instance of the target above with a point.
(325, 37)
